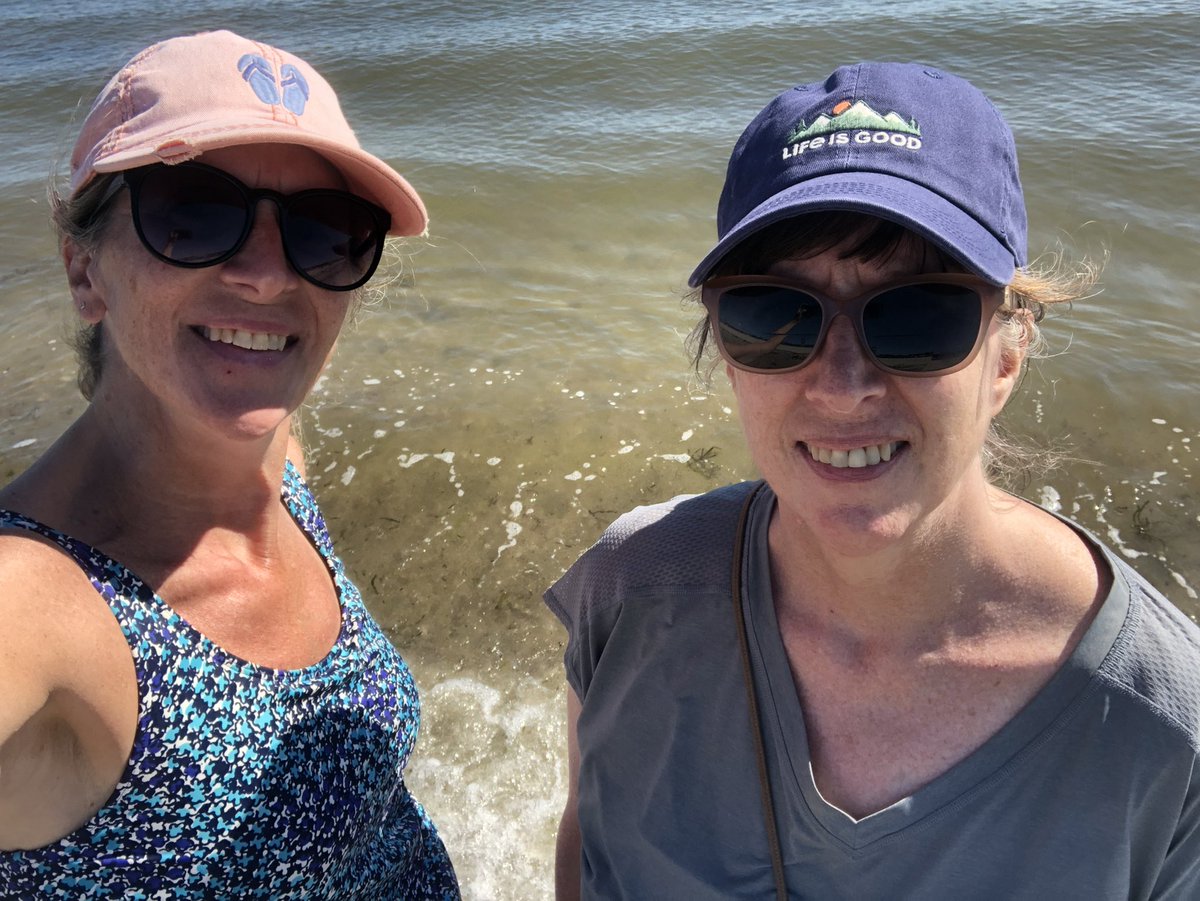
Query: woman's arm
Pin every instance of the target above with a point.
(25, 696)
(68, 702)
(568, 847)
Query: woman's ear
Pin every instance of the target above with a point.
(80, 264)
(1014, 345)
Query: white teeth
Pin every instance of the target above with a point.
(248, 340)
(855, 458)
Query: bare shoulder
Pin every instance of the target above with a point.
(54, 620)
(34, 580)
(68, 711)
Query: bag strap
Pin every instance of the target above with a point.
(764, 780)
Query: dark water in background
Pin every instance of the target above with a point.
(523, 381)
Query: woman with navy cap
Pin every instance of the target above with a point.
(195, 701)
(873, 674)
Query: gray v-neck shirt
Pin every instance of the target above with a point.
(1090, 792)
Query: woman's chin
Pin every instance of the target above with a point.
(258, 425)
(248, 425)
(858, 531)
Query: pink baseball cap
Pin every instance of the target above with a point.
(183, 96)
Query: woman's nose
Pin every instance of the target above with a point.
(260, 269)
(841, 376)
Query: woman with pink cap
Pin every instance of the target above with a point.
(196, 701)
(874, 673)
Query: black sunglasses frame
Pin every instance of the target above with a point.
(990, 297)
(381, 218)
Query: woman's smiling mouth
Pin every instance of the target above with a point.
(854, 458)
(245, 339)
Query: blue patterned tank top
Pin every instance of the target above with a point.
(245, 781)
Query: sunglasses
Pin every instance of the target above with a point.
(193, 215)
(923, 325)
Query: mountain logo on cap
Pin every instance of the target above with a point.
(260, 75)
(857, 115)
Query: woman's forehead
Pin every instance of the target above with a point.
(845, 233)
(853, 260)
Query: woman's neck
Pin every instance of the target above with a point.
(934, 577)
(115, 487)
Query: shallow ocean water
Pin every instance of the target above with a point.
(522, 380)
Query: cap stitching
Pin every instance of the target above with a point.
(1009, 159)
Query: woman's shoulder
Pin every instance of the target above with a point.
(48, 603)
(686, 526)
(37, 572)
(54, 619)
(1153, 659)
(684, 513)
(687, 540)
(1156, 658)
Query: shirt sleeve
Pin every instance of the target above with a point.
(1179, 878)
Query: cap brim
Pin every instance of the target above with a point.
(367, 175)
(896, 199)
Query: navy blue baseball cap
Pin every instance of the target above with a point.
(901, 141)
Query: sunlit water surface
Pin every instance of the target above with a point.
(523, 381)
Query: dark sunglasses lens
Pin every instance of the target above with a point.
(767, 327)
(334, 238)
(922, 328)
(190, 216)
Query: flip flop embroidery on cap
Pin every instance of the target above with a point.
(260, 76)
(295, 88)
